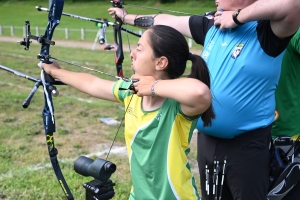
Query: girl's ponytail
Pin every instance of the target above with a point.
(200, 71)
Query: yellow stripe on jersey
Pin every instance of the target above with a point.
(295, 137)
(135, 120)
(116, 90)
(176, 158)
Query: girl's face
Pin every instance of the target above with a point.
(143, 62)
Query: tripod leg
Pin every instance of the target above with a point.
(96, 39)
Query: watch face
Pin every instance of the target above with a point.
(234, 17)
(236, 13)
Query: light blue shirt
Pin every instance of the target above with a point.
(243, 81)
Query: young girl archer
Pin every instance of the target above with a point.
(162, 111)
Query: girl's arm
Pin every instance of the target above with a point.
(87, 83)
(193, 95)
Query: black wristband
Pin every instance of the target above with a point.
(234, 17)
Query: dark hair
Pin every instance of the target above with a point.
(167, 41)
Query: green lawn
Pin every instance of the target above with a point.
(24, 170)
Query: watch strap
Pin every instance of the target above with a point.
(234, 17)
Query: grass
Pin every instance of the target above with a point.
(79, 130)
(24, 171)
(26, 11)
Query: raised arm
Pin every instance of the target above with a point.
(193, 95)
(83, 82)
(283, 15)
(181, 23)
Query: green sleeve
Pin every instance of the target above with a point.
(119, 93)
(295, 42)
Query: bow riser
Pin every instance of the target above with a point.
(54, 16)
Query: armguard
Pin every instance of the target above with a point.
(144, 21)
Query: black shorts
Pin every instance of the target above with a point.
(247, 165)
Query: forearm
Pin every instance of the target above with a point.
(74, 79)
(269, 10)
(159, 19)
(178, 22)
(85, 83)
(283, 15)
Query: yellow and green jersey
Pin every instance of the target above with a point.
(158, 144)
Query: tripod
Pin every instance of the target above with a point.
(99, 190)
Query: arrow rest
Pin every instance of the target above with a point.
(44, 58)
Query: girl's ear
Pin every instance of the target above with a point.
(161, 63)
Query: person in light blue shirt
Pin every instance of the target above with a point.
(243, 44)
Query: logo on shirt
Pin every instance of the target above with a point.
(158, 116)
(224, 44)
(205, 55)
(130, 111)
(237, 51)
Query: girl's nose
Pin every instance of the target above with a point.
(132, 54)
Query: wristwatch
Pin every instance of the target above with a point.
(234, 17)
